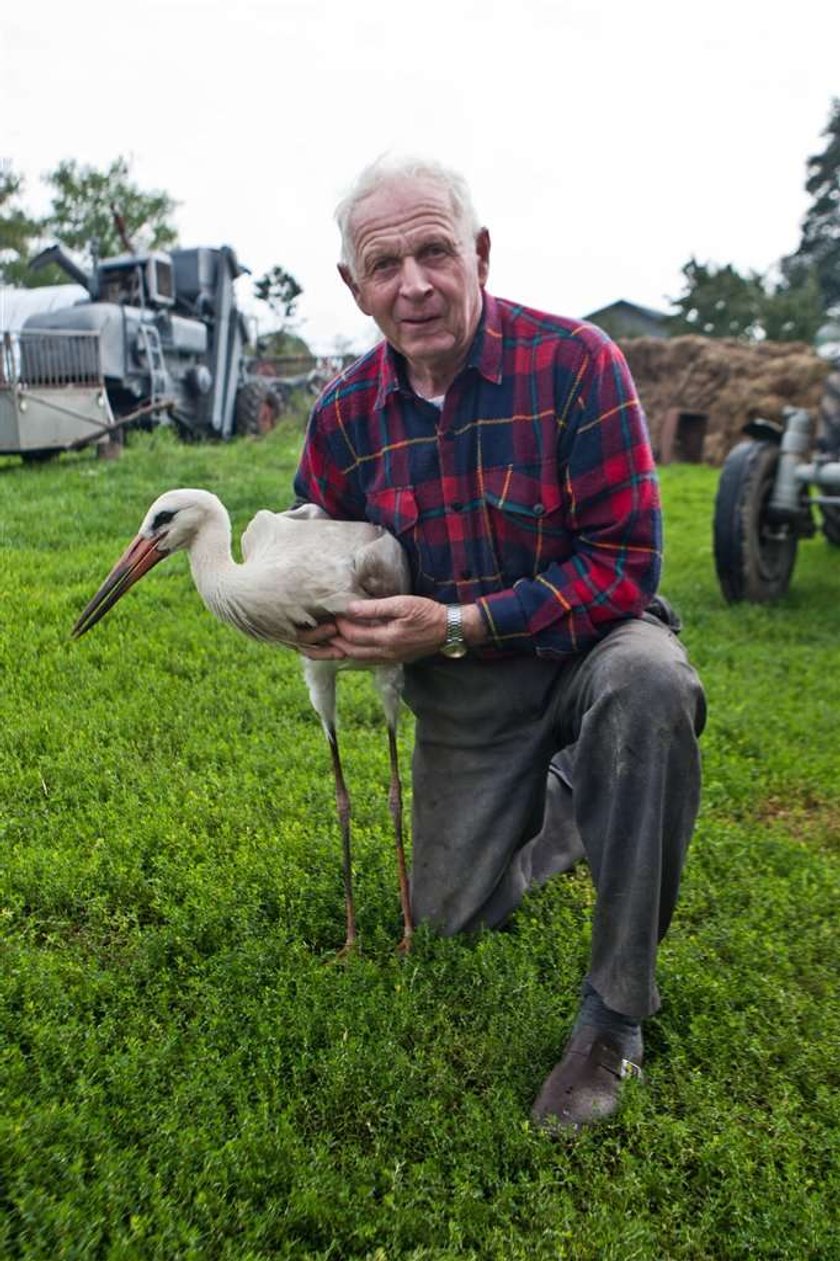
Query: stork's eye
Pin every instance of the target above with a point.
(162, 518)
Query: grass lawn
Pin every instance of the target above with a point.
(182, 1075)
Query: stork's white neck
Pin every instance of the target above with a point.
(211, 559)
(223, 584)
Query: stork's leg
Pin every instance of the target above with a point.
(320, 679)
(395, 806)
(342, 802)
(388, 680)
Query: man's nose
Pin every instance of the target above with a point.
(414, 283)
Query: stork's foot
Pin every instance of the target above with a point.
(350, 950)
(404, 946)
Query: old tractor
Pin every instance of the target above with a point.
(769, 486)
(158, 337)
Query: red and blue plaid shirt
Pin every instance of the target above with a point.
(532, 493)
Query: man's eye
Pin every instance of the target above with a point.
(435, 250)
(381, 265)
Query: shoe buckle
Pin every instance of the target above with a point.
(628, 1069)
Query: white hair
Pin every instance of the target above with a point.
(390, 170)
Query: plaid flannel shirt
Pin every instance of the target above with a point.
(532, 493)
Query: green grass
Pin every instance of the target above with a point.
(183, 1075)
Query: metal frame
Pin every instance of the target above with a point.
(52, 392)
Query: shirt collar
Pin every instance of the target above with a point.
(485, 354)
(486, 351)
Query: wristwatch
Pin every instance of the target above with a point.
(454, 645)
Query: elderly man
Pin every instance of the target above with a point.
(507, 451)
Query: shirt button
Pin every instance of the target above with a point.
(449, 435)
(538, 510)
(466, 573)
(457, 507)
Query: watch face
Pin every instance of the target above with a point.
(454, 650)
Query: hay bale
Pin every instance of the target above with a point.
(730, 381)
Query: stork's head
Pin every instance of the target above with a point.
(175, 518)
(171, 524)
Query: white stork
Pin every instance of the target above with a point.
(298, 568)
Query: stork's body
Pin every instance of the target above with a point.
(298, 568)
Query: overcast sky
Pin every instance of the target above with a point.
(606, 141)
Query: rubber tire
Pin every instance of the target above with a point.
(751, 565)
(257, 410)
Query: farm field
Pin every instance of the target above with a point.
(183, 1075)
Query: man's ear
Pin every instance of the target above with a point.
(347, 276)
(482, 249)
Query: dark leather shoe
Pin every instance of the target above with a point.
(586, 1085)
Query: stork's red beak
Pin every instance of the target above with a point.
(138, 558)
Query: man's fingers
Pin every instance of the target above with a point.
(330, 652)
(376, 610)
(361, 634)
(320, 634)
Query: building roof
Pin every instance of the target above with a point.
(622, 305)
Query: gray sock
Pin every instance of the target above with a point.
(595, 1012)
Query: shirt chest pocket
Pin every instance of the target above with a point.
(394, 507)
(531, 499)
(526, 511)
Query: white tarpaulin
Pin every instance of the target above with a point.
(16, 305)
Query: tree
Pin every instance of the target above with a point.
(283, 345)
(718, 302)
(102, 211)
(793, 310)
(819, 246)
(279, 289)
(19, 234)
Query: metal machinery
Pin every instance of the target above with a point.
(159, 337)
(768, 488)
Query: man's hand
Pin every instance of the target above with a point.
(399, 628)
(317, 644)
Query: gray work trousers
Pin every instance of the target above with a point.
(486, 731)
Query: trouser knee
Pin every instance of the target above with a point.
(659, 695)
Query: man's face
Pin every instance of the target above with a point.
(417, 276)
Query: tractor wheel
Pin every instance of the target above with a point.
(257, 409)
(754, 555)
